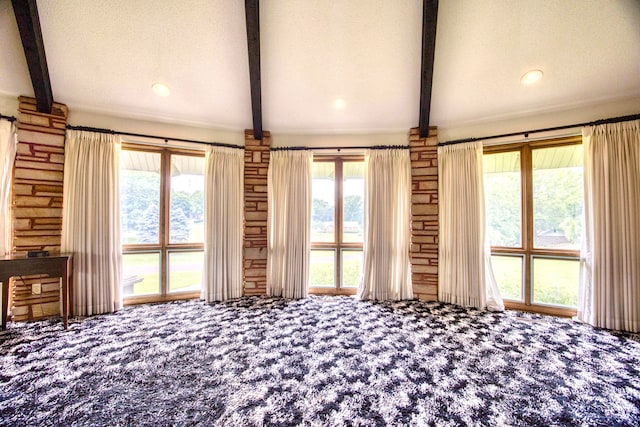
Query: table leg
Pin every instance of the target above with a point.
(5, 300)
(64, 280)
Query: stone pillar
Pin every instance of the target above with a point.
(424, 214)
(37, 204)
(256, 166)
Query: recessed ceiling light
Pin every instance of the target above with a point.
(160, 89)
(531, 77)
(339, 104)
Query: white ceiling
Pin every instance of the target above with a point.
(104, 57)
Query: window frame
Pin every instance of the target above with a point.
(527, 250)
(337, 245)
(164, 246)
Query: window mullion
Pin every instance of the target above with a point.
(339, 225)
(527, 220)
(165, 199)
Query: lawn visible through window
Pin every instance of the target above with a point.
(141, 274)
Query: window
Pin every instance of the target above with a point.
(337, 224)
(534, 202)
(162, 221)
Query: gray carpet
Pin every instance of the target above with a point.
(316, 362)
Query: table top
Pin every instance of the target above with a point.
(13, 257)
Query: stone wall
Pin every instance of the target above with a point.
(37, 204)
(256, 167)
(424, 214)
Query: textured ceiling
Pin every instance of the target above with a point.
(104, 57)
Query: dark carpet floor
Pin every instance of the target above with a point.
(322, 361)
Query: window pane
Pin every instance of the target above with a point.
(140, 274)
(351, 268)
(558, 194)
(323, 205)
(555, 281)
(140, 196)
(503, 198)
(186, 210)
(508, 273)
(185, 271)
(323, 269)
(353, 202)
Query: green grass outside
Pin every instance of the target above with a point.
(508, 273)
(323, 269)
(146, 266)
(555, 281)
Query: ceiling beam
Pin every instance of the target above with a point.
(429, 21)
(252, 14)
(28, 21)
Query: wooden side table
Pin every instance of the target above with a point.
(60, 265)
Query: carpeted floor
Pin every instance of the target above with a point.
(322, 361)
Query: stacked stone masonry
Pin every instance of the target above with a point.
(256, 167)
(37, 204)
(424, 214)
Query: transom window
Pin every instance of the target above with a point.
(337, 224)
(534, 202)
(162, 222)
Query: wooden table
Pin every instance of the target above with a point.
(60, 265)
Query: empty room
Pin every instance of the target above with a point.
(320, 213)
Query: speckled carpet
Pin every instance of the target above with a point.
(322, 361)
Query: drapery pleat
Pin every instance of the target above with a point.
(387, 221)
(91, 220)
(465, 277)
(289, 225)
(8, 144)
(224, 205)
(609, 295)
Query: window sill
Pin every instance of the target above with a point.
(332, 291)
(146, 299)
(540, 309)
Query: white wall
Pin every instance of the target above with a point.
(604, 110)
(162, 129)
(345, 140)
(8, 105)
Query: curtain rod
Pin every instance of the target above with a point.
(526, 133)
(142, 135)
(8, 118)
(369, 147)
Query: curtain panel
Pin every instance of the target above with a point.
(387, 222)
(91, 220)
(8, 144)
(609, 295)
(224, 208)
(289, 223)
(465, 277)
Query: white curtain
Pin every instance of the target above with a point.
(465, 276)
(91, 220)
(289, 226)
(609, 294)
(8, 144)
(224, 198)
(387, 222)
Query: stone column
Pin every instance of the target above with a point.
(37, 203)
(256, 167)
(424, 214)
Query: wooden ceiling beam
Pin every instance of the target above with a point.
(429, 21)
(252, 14)
(28, 21)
